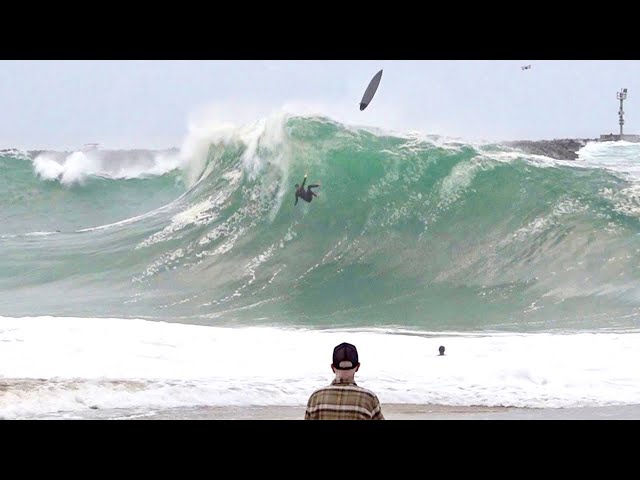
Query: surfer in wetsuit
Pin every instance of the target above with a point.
(307, 195)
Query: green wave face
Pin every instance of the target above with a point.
(407, 231)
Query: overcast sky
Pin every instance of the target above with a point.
(149, 104)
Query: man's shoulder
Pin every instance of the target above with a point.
(320, 390)
(368, 392)
(351, 386)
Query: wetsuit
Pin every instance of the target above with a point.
(307, 195)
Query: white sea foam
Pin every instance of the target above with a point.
(117, 363)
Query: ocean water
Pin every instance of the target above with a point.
(189, 278)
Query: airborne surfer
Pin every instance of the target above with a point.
(307, 195)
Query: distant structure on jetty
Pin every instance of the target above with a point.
(622, 96)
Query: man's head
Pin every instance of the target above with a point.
(297, 185)
(441, 350)
(345, 360)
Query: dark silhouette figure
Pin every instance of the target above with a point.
(307, 195)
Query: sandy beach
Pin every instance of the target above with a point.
(391, 412)
(415, 412)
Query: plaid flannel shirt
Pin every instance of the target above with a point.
(343, 401)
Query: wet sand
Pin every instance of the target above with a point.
(391, 412)
(419, 412)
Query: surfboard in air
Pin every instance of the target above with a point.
(370, 91)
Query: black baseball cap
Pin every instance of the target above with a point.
(345, 356)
